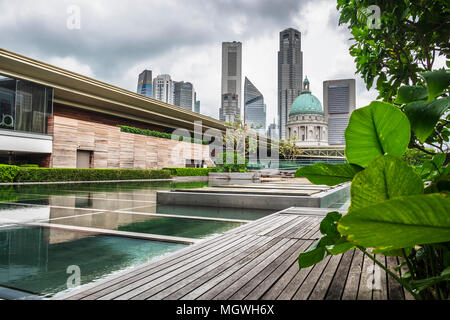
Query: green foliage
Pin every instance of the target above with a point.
(415, 157)
(375, 130)
(187, 172)
(158, 134)
(387, 177)
(238, 164)
(328, 174)
(31, 174)
(391, 212)
(424, 116)
(411, 36)
(399, 223)
(8, 173)
(331, 242)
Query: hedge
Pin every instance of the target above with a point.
(26, 174)
(158, 134)
(188, 172)
(8, 173)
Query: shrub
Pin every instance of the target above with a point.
(62, 174)
(239, 163)
(8, 173)
(158, 134)
(189, 172)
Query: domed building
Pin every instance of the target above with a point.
(307, 123)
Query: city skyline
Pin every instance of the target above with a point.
(193, 50)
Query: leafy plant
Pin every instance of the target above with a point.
(396, 209)
(231, 162)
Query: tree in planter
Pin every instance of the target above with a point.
(237, 164)
(391, 211)
(289, 150)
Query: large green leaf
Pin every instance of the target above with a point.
(399, 223)
(329, 174)
(313, 255)
(407, 94)
(437, 82)
(387, 177)
(375, 130)
(424, 116)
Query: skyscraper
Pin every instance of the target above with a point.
(272, 130)
(145, 84)
(230, 110)
(197, 103)
(184, 95)
(254, 107)
(163, 89)
(339, 101)
(290, 74)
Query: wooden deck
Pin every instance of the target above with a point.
(257, 261)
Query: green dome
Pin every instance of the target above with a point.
(306, 103)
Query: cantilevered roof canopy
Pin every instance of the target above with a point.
(86, 93)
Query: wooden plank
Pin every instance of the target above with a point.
(281, 223)
(395, 289)
(257, 280)
(366, 280)
(233, 274)
(380, 280)
(321, 287)
(109, 285)
(280, 231)
(250, 271)
(352, 284)
(272, 280)
(162, 290)
(185, 287)
(337, 286)
(151, 279)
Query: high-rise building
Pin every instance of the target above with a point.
(230, 110)
(290, 74)
(184, 95)
(254, 107)
(231, 81)
(145, 84)
(339, 101)
(163, 88)
(197, 103)
(272, 130)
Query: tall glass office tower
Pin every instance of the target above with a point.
(254, 107)
(145, 84)
(184, 95)
(230, 109)
(339, 101)
(290, 74)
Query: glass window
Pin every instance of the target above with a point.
(24, 106)
(7, 102)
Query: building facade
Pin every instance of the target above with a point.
(197, 104)
(56, 118)
(145, 84)
(184, 95)
(339, 100)
(272, 130)
(254, 107)
(290, 74)
(307, 124)
(231, 81)
(163, 88)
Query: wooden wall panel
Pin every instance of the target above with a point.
(114, 149)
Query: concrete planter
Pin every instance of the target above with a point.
(233, 175)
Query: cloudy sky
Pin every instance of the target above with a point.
(118, 39)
